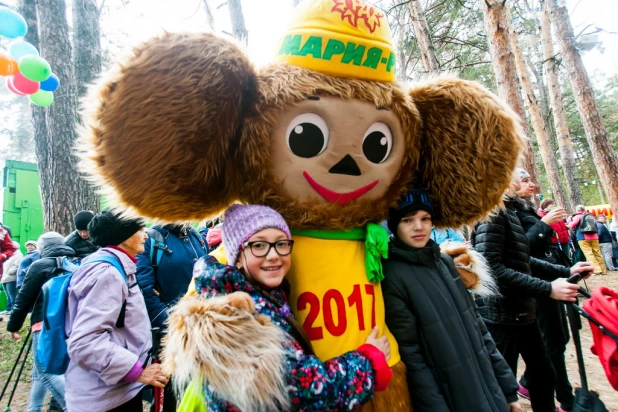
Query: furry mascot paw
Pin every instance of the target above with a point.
(238, 352)
(472, 268)
(324, 135)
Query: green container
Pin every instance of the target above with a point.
(20, 199)
(3, 300)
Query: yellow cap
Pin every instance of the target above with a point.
(344, 38)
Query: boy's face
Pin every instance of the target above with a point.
(414, 229)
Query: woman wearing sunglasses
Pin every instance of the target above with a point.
(254, 356)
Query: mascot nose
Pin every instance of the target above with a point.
(346, 166)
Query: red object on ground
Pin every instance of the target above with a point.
(603, 306)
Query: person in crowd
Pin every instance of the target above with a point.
(588, 242)
(551, 314)
(6, 247)
(511, 316)
(605, 242)
(29, 298)
(32, 255)
(166, 279)
(108, 331)
(5, 227)
(164, 272)
(258, 244)
(79, 239)
(560, 237)
(9, 276)
(449, 234)
(613, 228)
(451, 360)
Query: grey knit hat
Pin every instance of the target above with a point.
(49, 239)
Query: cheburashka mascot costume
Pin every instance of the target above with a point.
(325, 135)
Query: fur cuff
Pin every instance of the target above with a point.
(472, 268)
(236, 352)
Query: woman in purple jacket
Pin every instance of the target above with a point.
(107, 324)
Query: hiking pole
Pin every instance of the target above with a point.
(158, 393)
(6, 385)
(21, 369)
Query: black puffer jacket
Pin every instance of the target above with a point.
(550, 312)
(451, 360)
(502, 241)
(28, 297)
(82, 247)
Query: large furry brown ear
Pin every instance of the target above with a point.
(471, 142)
(162, 127)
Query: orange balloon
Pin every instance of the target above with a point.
(8, 65)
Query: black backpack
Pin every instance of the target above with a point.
(588, 224)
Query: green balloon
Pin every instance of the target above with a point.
(42, 98)
(34, 68)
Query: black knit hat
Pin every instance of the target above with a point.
(413, 200)
(81, 219)
(110, 229)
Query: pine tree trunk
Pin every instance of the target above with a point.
(87, 43)
(602, 152)
(38, 114)
(210, 18)
(423, 37)
(238, 22)
(63, 191)
(503, 63)
(565, 145)
(540, 127)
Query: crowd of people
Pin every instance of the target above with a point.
(460, 348)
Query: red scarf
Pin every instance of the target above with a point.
(123, 251)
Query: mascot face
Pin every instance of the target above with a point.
(332, 150)
(325, 135)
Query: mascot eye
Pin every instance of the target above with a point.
(378, 142)
(307, 135)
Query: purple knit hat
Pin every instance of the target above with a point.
(240, 222)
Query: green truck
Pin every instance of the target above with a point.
(20, 198)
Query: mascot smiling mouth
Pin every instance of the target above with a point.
(341, 198)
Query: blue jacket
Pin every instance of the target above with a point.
(442, 235)
(604, 235)
(28, 260)
(173, 274)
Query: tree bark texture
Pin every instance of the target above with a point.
(602, 152)
(565, 145)
(64, 192)
(423, 37)
(540, 127)
(210, 18)
(38, 114)
(87, 43)
(238, 22)
(503, 63)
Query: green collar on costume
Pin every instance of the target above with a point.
(376, 245)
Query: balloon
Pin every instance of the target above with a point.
(34, 68)
(22, 48)
(12, 24)
(42, 98)
(51, 84)
(24, 85)
(11, 87)
(8, 65)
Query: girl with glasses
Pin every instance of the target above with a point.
(238, 343)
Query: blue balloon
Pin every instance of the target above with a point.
(21, 48)
(12, 24)
(51, 84)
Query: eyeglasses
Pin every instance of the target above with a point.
(262, 248)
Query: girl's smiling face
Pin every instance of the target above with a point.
(267, 271)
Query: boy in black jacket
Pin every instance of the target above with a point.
(451, 360)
